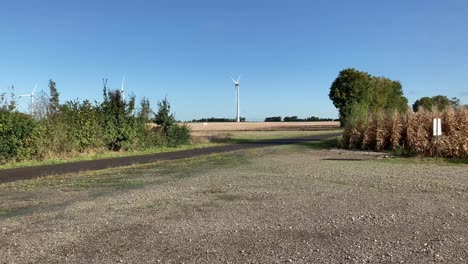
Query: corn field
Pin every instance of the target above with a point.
(411, 133)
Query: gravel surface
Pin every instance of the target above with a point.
(271, 205)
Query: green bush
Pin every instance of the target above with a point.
(16, 136)
(58, 130)
(178, 135)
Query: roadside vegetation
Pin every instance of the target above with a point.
(57, 130)
(376, 116)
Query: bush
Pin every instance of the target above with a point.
(63, 130)
(178, 135)
(16, 136)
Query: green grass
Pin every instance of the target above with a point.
(232, 137)
(428, 161)
(249, 136)
(4, 213)
(136, 176)
(318, 145)
(104, 155)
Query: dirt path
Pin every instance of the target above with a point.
(10, 175)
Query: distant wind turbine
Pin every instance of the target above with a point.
(32, 99)
(122, 92)
(237, 86)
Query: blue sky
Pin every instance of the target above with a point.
(288, 52)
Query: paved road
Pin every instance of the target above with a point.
(26, 173)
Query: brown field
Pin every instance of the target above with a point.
(258, 126)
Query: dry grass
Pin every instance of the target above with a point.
(412, 131)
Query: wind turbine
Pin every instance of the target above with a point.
(122, 93)
(237, 86)
(32, 99)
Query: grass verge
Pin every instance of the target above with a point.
(105, 155)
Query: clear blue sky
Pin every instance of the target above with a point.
(288, 52)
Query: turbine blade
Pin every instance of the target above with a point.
(123, 80)
(238, 78)
(32, 94)
(233, 80)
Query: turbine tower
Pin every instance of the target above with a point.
(122, 93)
(237, 86)
(32, 99)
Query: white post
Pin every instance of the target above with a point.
(436, 132)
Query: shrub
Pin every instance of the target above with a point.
(16, 136)
(178, 135)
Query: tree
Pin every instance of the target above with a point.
(355, 93)
(387, 95)
(116, 120)
(145, 111)
(349, 88)
(174, 134)
(291, 119)
(273, 119)
(439, 102)
(163, 117)
(54, 102)
(455, 102)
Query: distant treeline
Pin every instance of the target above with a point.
(218, 119)
(55, 129)
(296, 119)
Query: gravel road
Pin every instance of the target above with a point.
(285, 204)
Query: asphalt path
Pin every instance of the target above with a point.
(26, 173)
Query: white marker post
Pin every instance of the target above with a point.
(437, 131)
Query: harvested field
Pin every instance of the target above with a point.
(271, 205)
(262, 126)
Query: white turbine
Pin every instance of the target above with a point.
(122, 93)
(32, 99)
(237, 86)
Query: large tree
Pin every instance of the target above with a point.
(438, 102)
(351, 87)
(355, 93)
(54, 102)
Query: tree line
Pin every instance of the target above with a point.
(296, 119)
(66, 129)
(218, 119)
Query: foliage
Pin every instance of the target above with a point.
(437, 103)
(353, 91)
(218, 119)
(54, 102)
(173, 133)
(273, 119)
(307, 119)
(163, 117)
(16, 134)
(455, 103)
(178, 135)
(63, 130)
